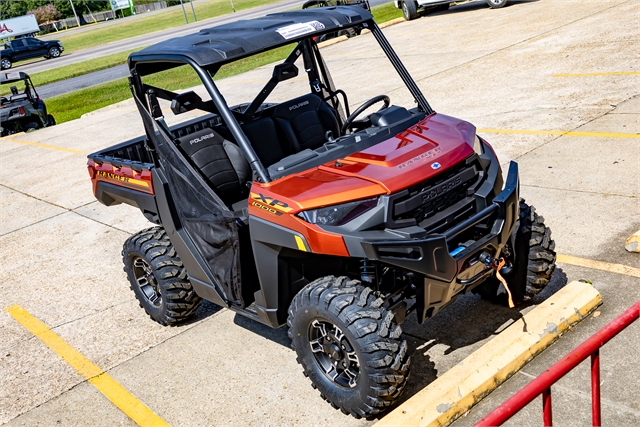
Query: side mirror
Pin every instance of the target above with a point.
(185, 102)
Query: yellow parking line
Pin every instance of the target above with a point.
(599, 265)
(50, 147)
(118, 395)
(561, 132)
(611, 73)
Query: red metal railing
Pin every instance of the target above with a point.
(542, 384)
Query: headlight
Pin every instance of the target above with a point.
(338, 214)
(478, 147)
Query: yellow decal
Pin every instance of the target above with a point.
(266, 208)
(300, 243)
(271, 202)
(124, 179)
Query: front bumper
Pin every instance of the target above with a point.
(432, 255)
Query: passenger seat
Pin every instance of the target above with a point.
(221, 163)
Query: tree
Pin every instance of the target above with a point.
(46, 14)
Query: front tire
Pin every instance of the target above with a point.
(54, 52)
(348, 345)
(409, 10)
(157, 277)
(535, 260)
(497, 4)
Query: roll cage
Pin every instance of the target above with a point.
(207, 51)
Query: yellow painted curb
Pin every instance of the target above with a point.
(464, 385)
(633, 243)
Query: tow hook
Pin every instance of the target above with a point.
(497, 264)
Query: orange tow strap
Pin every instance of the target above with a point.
(504, 282)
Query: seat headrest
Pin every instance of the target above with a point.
(194, 142)
(297, 106)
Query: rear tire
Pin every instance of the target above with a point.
(32, 126)
(535, 260)
(409, 10)
(157, 277)
(497, 4)
(50, 120)
(348, 345)
(5, 64)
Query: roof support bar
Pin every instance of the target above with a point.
(404, 74)
(231, 122)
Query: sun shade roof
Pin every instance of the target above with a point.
(12, 77)
(221, 44)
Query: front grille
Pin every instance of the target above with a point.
(440, 202)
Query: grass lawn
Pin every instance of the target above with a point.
(72, 105)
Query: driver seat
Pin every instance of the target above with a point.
(304, 121)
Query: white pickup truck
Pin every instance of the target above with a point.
(411, 9)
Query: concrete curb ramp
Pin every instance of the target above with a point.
(455, 392)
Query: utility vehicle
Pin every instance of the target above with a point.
(22, 110)
(304, 213)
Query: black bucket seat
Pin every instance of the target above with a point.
(220, 161)
(304, 122)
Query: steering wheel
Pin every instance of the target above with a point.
(349, 121)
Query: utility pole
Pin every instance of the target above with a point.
(74, 12)
(193, 10)
(183, 11)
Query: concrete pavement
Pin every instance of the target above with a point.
(495, 68)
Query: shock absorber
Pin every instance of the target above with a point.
(367, 271)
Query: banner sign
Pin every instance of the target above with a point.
(119, 4)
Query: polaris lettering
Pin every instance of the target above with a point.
(202, 138)
(441, 188)
(302, 104)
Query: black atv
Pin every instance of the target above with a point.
(22, 110)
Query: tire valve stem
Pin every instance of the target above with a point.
(497, 264)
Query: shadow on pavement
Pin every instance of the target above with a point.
(466, 322)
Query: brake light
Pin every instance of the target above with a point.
(21, 110)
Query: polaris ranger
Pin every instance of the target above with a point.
(337, 223)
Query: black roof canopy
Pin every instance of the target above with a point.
(232, 41)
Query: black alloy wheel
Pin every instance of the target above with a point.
(146, 281)
(334, 353)
(349, 345)
(158, 278)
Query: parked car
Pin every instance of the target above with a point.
(22, 110)
(411, 9)
(27, 48)
(337, 223)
